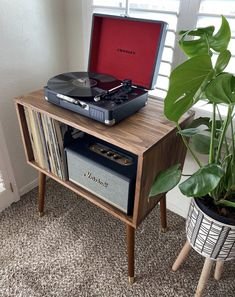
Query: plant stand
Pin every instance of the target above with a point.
(205, 274)
(212, 239)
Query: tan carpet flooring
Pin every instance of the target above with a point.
(76, 249)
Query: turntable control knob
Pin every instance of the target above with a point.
(107, 97)
(103, 151)
(116, 157)
(110, 154)
(96, 99)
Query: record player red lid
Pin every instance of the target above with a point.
(127, 48)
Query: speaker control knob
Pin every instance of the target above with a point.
(103, 151)
(109, 153)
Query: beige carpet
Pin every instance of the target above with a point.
(77, 249)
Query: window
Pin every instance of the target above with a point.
(210, 13)
(179, 14)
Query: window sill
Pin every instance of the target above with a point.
(202, 109)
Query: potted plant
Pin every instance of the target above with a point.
(210, 225)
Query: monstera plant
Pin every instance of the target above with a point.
(203, 76)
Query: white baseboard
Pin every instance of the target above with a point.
(6, 203)
(25, 189)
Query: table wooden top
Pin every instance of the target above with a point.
(136, 134)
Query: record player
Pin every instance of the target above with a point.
(124, 60)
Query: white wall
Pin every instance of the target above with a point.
(176, 201)
(78, 26)
(32, 49)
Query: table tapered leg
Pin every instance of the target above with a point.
(41, 193)
(182, 256)
(204, 277)
(163, 214)
(130, 231)
(218, 269)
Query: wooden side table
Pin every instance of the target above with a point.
(146, 134)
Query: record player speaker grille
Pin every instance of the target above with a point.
(109, 186)
(96, 114)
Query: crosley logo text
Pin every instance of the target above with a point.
(96, 180)
(126, 51)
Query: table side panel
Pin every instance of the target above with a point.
(137, 189)
(161, 156)
(24, 132)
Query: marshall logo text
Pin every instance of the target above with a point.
(125, 51)
(96, 180)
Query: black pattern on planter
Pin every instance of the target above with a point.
(209, 237)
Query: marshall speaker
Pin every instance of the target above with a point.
(104, 170)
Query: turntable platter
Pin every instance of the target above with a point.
(82, 84)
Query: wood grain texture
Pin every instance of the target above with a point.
(163, 217)
(182, 256)
(136, 134)
(24, 132)
(171, 150)
(218, 269)
(88, 196)
(204, 277)
(41, 192)
(130, 236)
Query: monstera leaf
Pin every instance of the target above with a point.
(203, 181)
(189, 132)
(187, 81)
(221, 89)
(205, 121)
(201, 143)
(219, 42)
(222, 61)
(205, 40)
(166, 180)
(197, 46)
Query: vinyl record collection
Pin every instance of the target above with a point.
(47, 139)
